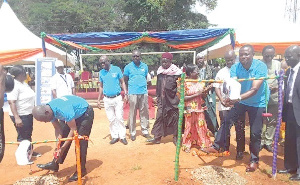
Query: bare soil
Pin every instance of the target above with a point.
(137, 163)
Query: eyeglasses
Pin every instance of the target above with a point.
(267, 56)
(135, 56)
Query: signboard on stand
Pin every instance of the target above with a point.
(45, 69)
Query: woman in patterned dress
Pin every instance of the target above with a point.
(196, 132)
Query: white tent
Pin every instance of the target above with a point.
(16, 38)
(281, 36)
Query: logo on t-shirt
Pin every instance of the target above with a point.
(63, 98)
(114, 75)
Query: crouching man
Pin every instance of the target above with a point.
(78, 115)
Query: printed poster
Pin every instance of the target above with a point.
(45, 69)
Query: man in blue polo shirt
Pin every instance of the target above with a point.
(110, 78)
(78, 115)
(136, 74)
(252, 100)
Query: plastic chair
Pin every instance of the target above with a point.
(84, 80)
(73, 75)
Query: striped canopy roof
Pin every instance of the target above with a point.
(179, 39)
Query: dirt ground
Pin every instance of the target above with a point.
(137, 163)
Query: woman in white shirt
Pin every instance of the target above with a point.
(21, 101)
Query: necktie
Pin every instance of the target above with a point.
(290, 83)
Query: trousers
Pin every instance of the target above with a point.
(292, 141)
(114, 112)
(269, 125)
(138, 101)
(255, 118)
(239, 129)
(24, 132)
(84, 126)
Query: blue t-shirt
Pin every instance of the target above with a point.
(68, 107)
(111, 80)
(257, 69)
(137, 83)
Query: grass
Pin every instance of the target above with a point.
(136, 167)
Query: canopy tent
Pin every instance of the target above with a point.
(280, 37)
(18, 45)
(179, 39)
(218, 50)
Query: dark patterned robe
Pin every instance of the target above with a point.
(167, 115)
(208, 73)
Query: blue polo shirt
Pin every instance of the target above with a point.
(111, 80)
(137, 83)
(68, 107)
(257, 69)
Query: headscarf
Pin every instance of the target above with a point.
(172, 70)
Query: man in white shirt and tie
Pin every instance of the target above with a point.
(290, 114)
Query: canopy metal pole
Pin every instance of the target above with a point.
(194, 59)
(80, 60)
(148, 53)
(66, 58)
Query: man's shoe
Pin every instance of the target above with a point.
(154, 140)
(53, 166)
(295, 177)
(252, 167)
(286, 171)
(126, 126)
(209, 150)
(124, 141)
(133, 138)
(74, 177)
(261, 147)
(113, 141)
(239, 156)
(36, 154)
(147, 136)
(269, 148)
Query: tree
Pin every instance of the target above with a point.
(70, 16)
(159, 15)
(74, 16)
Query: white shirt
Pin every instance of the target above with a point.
(24, 97)
(222, 74)
(63, 84)
(296, 68)
(148, 77)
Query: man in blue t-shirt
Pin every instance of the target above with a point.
(135, 73)
(78, 115)
(252, 100)
(111, 79)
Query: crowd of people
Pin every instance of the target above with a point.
(69, 113)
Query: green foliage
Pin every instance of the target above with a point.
(220, 61)
(157, 15)
(70, 16)
(76, 16)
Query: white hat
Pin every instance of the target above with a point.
(59, 63)
(23, 153)
(201, 54)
